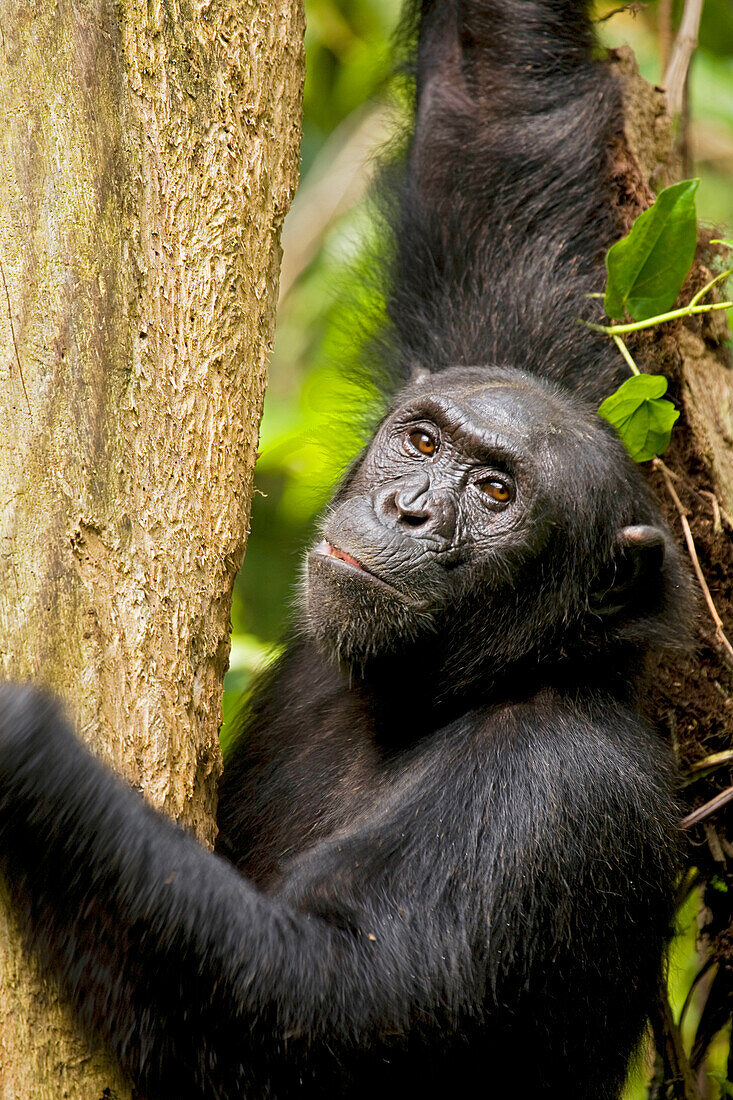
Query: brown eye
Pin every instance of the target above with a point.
(498, 490)
(423, 442)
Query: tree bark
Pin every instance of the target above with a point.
(149, 154)
(693, 695)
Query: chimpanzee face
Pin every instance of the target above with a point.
(465, 485)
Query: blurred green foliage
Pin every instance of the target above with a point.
(316, 406)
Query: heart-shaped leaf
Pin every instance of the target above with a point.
(640, 415)
(647, 268)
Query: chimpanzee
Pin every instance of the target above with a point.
(447, 835)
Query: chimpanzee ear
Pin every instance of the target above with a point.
(635, 570)
(419, 374)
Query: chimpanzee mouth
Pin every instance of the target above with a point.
(335, 552)
(325, 549)
(328, 550)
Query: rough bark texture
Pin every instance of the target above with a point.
(149, 154)
(693, 696)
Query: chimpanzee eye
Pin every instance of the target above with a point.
(423, 441)
(498, 489)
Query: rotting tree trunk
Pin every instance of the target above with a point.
(693, 695)
(149, 154)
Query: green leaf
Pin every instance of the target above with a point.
(648, 266)
(722, 240)
(640, 416)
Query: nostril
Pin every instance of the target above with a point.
(413, 521)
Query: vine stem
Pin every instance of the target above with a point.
(692, 551)
(626, 353)
(709, 286)
(660, 319)
(715, 760)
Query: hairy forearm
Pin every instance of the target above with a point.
(139, 922)
(135, 918)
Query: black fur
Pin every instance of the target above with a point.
(503, 206)
(453, 834)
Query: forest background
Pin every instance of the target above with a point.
(317, 404)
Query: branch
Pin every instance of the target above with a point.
(664, 30)
(684, 47)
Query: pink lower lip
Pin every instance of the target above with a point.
(334, 552)
(330, 551)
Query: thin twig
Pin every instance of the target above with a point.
(714, 844)
(719, 626)
(15, 342)
(708, 808)
(675, 476)
(684, 47)
(719, 514)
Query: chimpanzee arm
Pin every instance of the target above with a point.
(529, 848)
(504, 206)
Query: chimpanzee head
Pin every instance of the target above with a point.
(492, 518)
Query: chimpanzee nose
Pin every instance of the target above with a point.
(410, 502)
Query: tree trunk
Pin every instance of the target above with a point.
(149, 156)
(693, 695)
